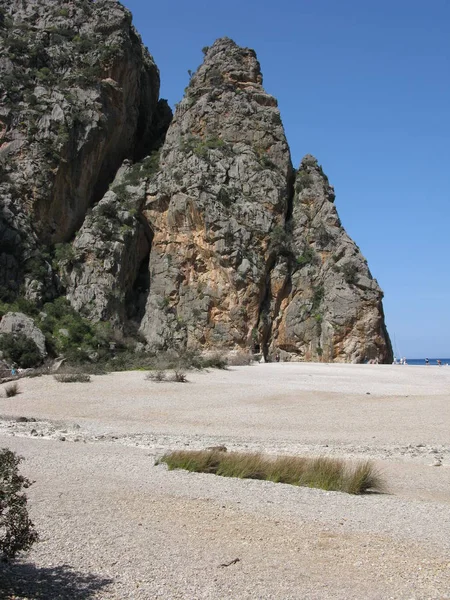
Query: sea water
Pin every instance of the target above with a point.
(421, 361)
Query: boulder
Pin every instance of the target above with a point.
(14, 322)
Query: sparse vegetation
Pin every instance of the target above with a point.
(318, 296)
(306, 258)
(325, 473)
(280, 239)
(64, 253)
(304, 181)
(19, 349)
(157, 376)
(199, 146)
(350, 272)
(73, 378)
(214, 361)
(17, 532)
(179, 376)
(12, 390)
(240, 359)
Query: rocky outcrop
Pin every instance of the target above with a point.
(78, 95)
(101, 267)
(328, 306)
(195, 230)
(223, 187)
(241, 258)
(18, 323)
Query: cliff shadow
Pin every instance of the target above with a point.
(136, 298)
(26, 580)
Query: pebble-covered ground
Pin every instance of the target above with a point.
(113, 525)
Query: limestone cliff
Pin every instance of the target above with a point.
(78, 94)
(330, 307)
(223, 187)
(241, 258)
(195, 231)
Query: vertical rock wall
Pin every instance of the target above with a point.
(241, 258)
(78, 92)
(223, 187)
(331, 308)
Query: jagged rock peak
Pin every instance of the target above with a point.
(310, 176)
(226, 62)
(223, 187)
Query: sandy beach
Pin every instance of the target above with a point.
(115, 526)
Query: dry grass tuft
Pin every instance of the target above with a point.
(12, 390)
(157, 376)
(179, 376)
(324, 473)
(73, 378)
(240, 359)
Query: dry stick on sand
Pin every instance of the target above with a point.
(324, 473)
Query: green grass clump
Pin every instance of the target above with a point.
(323, 473)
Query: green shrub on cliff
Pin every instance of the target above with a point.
(67, 332)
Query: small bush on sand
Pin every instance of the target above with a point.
(323, 473)
(178, 376)
(157, 376)
(12, 390)
(73, 378)
(17, 532)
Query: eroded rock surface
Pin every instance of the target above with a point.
(20, 323)
(195, 231)
(240, 257)
(331, 306)
(78, 93)
(223, 187)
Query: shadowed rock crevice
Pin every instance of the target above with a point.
(136, 297)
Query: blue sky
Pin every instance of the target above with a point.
(365, 87)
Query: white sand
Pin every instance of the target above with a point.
(103, 509)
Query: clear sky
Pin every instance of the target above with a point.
(365, 87)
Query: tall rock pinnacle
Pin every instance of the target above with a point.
(223, 187)
(239, 258)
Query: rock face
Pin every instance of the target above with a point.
(78, 95)
(329, 307)
(241, 258)
(224, 185)
(102, 265)
(195, 231)
(20, 323)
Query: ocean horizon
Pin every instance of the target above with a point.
(421, 361)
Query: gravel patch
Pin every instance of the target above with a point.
(114, 526)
